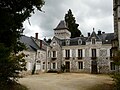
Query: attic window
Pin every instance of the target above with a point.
(106, 40)
(54, 43)
(79, 41)
(93, 40)
(67, 42)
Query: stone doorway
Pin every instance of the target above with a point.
(94, 67)
(67, 65)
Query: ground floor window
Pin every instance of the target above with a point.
(54, 65)
(43, 65)
(112, 66)
(48, 65)
(80, 65)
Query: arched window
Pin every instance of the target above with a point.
(79, 41)
(67, 42)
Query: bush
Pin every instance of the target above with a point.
(52, 71)
(116, 78)
(12, 86)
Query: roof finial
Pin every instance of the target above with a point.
(93, 29)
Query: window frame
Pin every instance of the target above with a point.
(80, 65)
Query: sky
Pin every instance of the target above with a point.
(88, 14)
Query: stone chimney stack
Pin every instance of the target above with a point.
(40, 44)
(88, 34)
(99, 32)
(36, 35)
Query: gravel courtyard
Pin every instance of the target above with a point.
(67, 81)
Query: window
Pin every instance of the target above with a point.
(79, 41)
(112, 66)
(54, 43)
(54, 53)
(38, 54)
(43, 65)
(93, 52)
(80, 65)
(110, 52)
(67, 42)
(54, 65)
(67, 53)
(48, 65)
(80, 53)
(49, 54)
(93, 40)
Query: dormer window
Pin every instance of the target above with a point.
(93, 40)
(54, 43)
(67, 42)
(106, 40)
(79, 41)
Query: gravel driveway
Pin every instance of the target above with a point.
(66, 81)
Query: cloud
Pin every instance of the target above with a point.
(88, 14)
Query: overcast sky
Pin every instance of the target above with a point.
(88, 14)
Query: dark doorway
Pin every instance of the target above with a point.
(94, 67)
(67, 64)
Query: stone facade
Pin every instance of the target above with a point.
(89, 54)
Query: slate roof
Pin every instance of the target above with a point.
(30, 44)
(104, 38)
(61, 25)
(74, 41)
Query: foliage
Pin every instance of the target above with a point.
(63, 67)
(116, 78)
(11, 64)
(116, 58)
(116, 75)
(72, 26)
(12, 15)
(13, 86)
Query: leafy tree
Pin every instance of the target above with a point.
(71, 23)
(12, 15)
(116, 75)
(116, 59)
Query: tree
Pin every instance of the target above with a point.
(71, 23)
(12, 15)
(116, 59)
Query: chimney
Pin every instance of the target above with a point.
(36, 35)
(40, 44)
(103, 32)
(99, 32)
(88, 34)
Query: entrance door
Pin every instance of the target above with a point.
(94, 67)
(67, 64)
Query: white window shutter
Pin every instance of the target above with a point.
(76, 52)
(70, 52)
(51, 65)
(63, 52)
(97, 52)
(51, 54)
(83, 52)
(56, 53)
(90, 53)
(56, 65)
(108, 52)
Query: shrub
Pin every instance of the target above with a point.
(116, 78)
(52, 71)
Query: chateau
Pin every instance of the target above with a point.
(91, 54)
